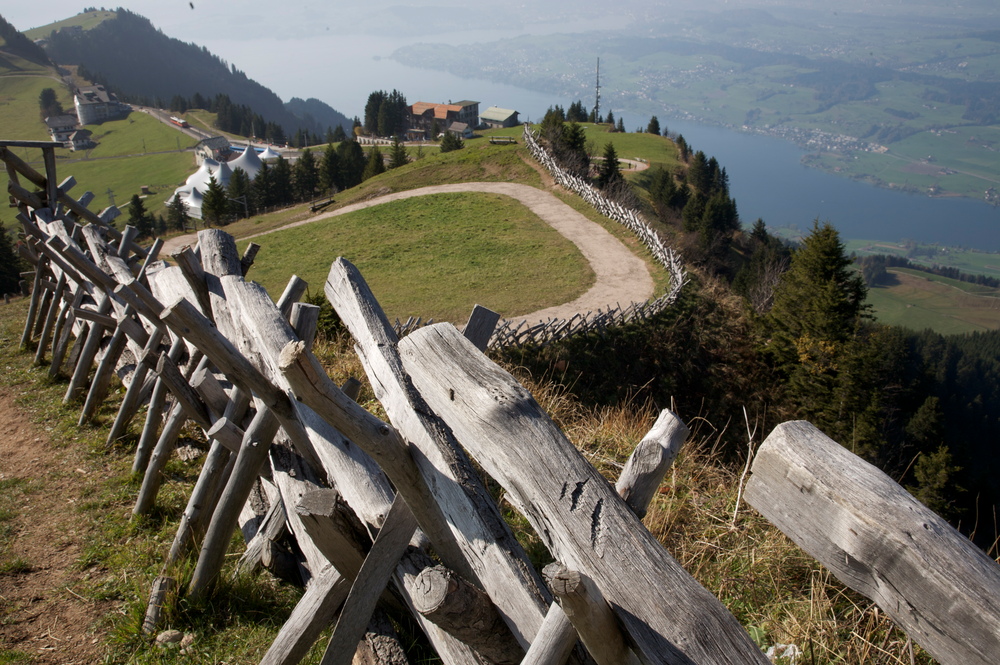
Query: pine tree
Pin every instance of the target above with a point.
(215, 205)
(821, 298)
(177, 214)
(352, 163)
(654, 126)
(375, 164)
(610, 173)
(238, 191)
(621, 125)
(398, 156)
(140, 218)
(451, 141)
(610, 119)
(329, 171)
(281, 182)
(262, 189)
(305, 176)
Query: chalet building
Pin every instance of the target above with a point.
(81, 139)
(426, 117)
(461, 130)
(61, 126)
(468, 113)
(497, 118)
(216, 148)
(94, 104)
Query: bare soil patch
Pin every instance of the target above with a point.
(44, 614)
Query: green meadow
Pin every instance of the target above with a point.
(85, 20)
(920, 301)
(436, 256)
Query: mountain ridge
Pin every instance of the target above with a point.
(137, 60)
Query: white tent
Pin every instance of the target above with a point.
(269, 154)
(248, 161)
(193, 202)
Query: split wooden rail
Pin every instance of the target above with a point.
(392, 515)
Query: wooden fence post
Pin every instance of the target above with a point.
(575, 511)
(590, 615)
(880, 541)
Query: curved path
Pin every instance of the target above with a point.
(621, 277)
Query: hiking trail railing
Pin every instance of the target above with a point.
(392, 517)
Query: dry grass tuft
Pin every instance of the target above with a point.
(778, 592)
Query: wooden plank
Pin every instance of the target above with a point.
(313, 613)
(482, 322)
(572, 507)
(650, 461)
(590, 615)
(251, 457)
(160, 455)
(392, 540)
(467, 613)
(50, 319)
(487, 552)
(215, 473)
(643, 472)
(880, 541)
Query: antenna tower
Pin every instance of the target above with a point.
(597, 99)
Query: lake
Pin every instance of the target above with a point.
(766, 176)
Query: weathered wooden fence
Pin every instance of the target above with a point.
(392, 515)
(522, 333)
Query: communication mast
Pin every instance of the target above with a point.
(597, 100)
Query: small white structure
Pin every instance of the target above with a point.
(269, 154)
(249, 161)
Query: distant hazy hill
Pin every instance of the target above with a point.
(136, 59)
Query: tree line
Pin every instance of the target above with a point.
(873, 268)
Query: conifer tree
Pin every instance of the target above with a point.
(238, 191)
(819, 301)
(329, 170)
(654, 126)
(178, 217)
(305, 176)
(375, 164)
(610, 173)
(352, 163)
(281, 181)
(140, 218)
(398, 155)
(215, 205)
(451, 142)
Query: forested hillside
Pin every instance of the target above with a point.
(772, 332)
(16, 43)
(129, 55)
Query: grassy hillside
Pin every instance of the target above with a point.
(919, 301)
(779, 593)
(20, 87)
(437, 256)
(131, 152)
(86, 20)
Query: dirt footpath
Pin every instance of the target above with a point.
(42, 615)
(621, 277)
